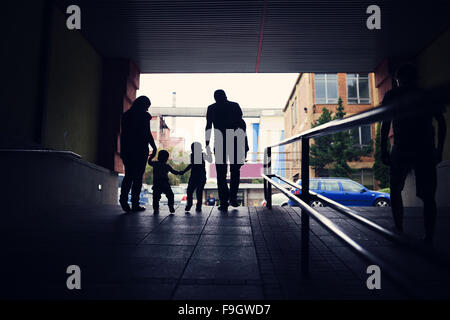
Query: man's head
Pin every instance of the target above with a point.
(141, 103)
(220, 96)
(406, 75)
(163, 155)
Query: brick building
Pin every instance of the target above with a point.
(310, 94)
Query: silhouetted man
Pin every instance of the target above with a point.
(229, 145)
(414, 148)
(134, 141)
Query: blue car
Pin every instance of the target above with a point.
(344, 191)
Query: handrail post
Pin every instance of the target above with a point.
(265, 172)
(305, 216)
(269, 172)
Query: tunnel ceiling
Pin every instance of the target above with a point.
(228, 36)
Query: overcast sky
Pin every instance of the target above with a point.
(270, 90)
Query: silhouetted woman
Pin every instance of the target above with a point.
(134, 140)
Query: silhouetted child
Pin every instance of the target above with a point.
(161, 180)
(197, 180)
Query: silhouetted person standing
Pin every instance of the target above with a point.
(161, 182)
(197, 179)
(414, 148)
(134, 151)
(229, 145)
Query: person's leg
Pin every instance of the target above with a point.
(190, 193)
(397, 173)
(235, 175)
(156, 198)
(199, 191)
(426, 185)
(170, 197)
(126, 182)
(222, 184)
(125, 188)
(429, 213)
(137, 183)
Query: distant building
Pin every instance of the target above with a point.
(311, 93)
(161, 134)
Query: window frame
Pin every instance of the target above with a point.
(294, 113)
(360, 142)
(326, 89)
(357, 89)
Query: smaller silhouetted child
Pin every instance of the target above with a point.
(197, 180)
(161, 180)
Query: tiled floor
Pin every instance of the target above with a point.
(247, 253)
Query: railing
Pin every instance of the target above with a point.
(412, 105)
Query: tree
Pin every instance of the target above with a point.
(319, 151)
(380, 170)
(336, 150)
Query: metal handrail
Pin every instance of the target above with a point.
(411, 105)
(394, 276)
(352, 214)
(401, 108)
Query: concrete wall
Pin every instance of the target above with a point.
(21, 66)
(52, 179)
(55, 97)
(74, 92)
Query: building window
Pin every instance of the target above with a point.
(326, 88)
(294, 112)
(358, 89)
(363, 135)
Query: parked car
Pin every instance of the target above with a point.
(278, 199)
(344, 191)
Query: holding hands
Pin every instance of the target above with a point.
(152, 155)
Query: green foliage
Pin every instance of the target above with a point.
(174, 180)
(336, 150)
(257, 181)
(380, 170)
(319, 153)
